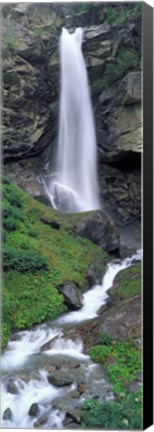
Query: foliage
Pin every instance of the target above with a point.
(126, 60)
(104, 339)
(30, 294)
(5, 333)
(12, 196)
(11, 216)
(110, 15)
(10, 41)
(119, 15)
(23, 260)
(85, 7)
(122, 362)
(123, 413)
(80, 7)
(125, 364)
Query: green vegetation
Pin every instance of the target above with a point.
(119, 15)
(23, 260)
(125, 61)
(125, 414)
(37, 259)
(129, 284)
(39, 31)
(80, 7)
(122, 362)
(10, 41)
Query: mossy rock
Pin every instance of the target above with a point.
(127, 284)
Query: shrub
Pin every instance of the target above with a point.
(104, 339)
(12, 195)
(10, 224)
(110, 15)
(119, 414)
(23, 260)
(11, 216)
(5, 180)
(32, 232)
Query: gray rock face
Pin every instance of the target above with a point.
(100, 229)
(73, 296)
(121, 192)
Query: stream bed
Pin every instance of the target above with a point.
(46, 376)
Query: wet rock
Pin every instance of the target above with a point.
(53, 224)
(59, 380)
(48, 345)
(81, 388)
(11, 388)
(34, 410)
(100, 229)
(58, 366)
(7, 415)
(40, 422)
(91, 276)
(72, 295)
(72, 415)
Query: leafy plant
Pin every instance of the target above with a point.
(10, 224)
(123, 414)
(23, 260)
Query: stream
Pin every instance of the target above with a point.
(45, 374)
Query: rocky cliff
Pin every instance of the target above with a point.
(31, 85)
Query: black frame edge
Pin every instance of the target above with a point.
(147, 216)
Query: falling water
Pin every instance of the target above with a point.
(74, 186)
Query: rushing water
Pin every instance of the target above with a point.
(74, 186)
(30, 357)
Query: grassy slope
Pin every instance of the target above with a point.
(29, 294)
(122, 363)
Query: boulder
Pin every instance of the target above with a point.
(34, 410)
(100, 229)
(7, 415)
(59, 380)
(11, 388)
(73, 297)
(72, 415)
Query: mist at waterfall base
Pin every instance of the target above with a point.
(24, 363)
(73, 187)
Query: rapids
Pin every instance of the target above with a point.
(32, 356)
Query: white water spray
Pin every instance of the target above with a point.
(74, 187)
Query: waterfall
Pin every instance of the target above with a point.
(74, 186)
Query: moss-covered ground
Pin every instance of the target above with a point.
(37, 258)
(127, 284)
